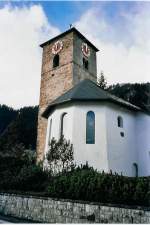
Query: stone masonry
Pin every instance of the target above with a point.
(56, 81)
(48, 210)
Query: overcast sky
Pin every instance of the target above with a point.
(121, 30)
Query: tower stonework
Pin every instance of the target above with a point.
(73, 66)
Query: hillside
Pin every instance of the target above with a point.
(7, 115)
(137, 94)
(18, 127)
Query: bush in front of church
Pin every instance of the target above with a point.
(60, 155)
(84, 183)
(19, 172)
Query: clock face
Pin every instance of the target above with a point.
(57, 47)
(85, 49)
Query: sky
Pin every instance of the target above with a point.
(120, 30)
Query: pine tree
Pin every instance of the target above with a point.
(102, 83)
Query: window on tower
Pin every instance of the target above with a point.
(85, 63)
(56, 61)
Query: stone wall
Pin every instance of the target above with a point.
(43, 209)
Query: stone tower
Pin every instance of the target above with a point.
(67, 59)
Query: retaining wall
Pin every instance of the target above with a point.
(48, 210)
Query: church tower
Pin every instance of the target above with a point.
(67, 59)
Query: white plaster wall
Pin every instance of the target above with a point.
(75, 131)
(56, 121)
(95, 154)
(143, 143)
(121, 150)
(110, 151)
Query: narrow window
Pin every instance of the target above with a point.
(122, 134)
(85, 64)
(90, 128)
(62, 124)
(135, 169)
(120, 121)
(50, 130)
(56, 61)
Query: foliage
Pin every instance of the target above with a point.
(60, 155)
(7, 115)
(31, 178)
(102, 83)
(87, 184)
(137, 94)
(22, 130)
(19, 172)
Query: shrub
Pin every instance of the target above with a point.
(79, 183)
(60, 155)
(87, 184)
(21, 173)
(31, 178)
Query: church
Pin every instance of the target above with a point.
(107, 132)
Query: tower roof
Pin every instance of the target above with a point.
(73, 29)
(87, 90)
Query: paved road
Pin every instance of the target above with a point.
(9, 219)
(3, 220)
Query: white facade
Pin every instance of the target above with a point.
(110, 151)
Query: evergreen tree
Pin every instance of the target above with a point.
(22, 130)
(102, 83)
(137, 94)
(7, 115)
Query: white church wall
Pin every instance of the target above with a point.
(94, 154)
(143, 143)
(110, 151)
(75, 131)
(56, 124)
(122, 152)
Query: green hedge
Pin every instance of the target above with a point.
(87, 184)
(21, 174)
(82, 183)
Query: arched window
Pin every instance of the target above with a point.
(90, 128)
(56, 61)
(120, 121)
(135, 169)
(85, 63)
(50, 131)
(62, 124)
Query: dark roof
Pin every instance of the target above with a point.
(87, 90)
(73, 29)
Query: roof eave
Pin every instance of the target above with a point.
(46, 113)
(67, 32)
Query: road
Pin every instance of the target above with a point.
(9, 219)
(4, 220)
